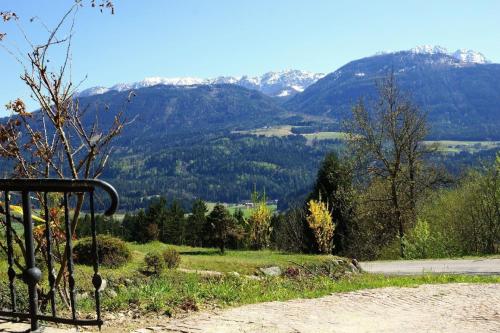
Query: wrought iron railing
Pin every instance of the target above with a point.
(31, 274)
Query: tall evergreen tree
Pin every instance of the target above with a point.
(221, 223)
(239, 217)
(156, 216)
(196, 222)
(334, 187)
(175, 224)
(140, 230)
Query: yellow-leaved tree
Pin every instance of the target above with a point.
(320, 221)
(260, 222)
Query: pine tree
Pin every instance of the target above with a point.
(156, 217)
(334, 187)
(141, 228)
(174, 231)
(221, 223)
(195, 223)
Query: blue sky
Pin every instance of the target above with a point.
(207, 38)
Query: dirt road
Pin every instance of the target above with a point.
(412, 267)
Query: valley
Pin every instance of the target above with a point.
(216, 139)
(443, 146)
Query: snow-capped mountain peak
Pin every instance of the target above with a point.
(153, 81)
(280, 84)
(464, 56)
(429, 49)
(470, 56)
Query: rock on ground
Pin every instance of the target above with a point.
(271, 271)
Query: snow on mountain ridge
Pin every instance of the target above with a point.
(289, 82)
(429, 49)
(281, 83)
(470, 56)
(466, 56)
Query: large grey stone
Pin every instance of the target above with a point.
(271, 271)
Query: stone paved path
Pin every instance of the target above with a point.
(453, 308)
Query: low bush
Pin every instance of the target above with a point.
(155, 263)
(172, 258)
(421, 243)
(113, 252)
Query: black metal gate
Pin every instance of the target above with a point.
(31, 274)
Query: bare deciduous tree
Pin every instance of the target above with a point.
(388, 141)
(59, 140)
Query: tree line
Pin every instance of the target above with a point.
(170, 223)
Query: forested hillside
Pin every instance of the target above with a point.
(160, 111)
(219, 167)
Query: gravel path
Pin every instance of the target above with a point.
(407, 267)
(429, 308)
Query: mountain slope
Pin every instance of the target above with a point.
(460, 91)
(172, 110)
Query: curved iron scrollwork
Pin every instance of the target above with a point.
(31, 274)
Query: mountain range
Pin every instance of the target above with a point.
(459, 90)
(195, 137)
(276, 84)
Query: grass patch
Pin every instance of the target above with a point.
(169, 292)
(271, 131)
(286, 130)
(245, 262)
(452, 147)
(242, 262)
(443, 146)
(247, 211)
(324, 136)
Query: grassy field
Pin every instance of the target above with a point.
(444, 146)
(233, 207)
(448, 146)
(325, 136)
(286, 130)
(242, 262)
(175, 291)
(278, 131)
